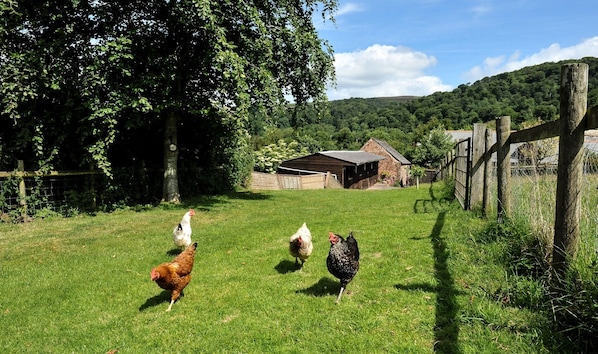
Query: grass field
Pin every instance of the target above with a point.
(82, 284)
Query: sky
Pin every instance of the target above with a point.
(415, 48)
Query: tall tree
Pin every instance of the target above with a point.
(113, 68)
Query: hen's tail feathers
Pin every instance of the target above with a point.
(352, 243)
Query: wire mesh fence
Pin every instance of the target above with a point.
(71, 194)
(534, 196)
(61, 194)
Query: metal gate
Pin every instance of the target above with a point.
(462, 162)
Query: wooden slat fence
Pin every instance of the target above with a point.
(268, 181)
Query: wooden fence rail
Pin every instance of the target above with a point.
(575, 118)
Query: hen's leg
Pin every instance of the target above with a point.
(173, 298)
(340, 293)
(170, 306)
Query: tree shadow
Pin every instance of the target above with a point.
(324, 287)
(207, 202)
(164, 296)
(248, 195)
(285, 266)
(446, 330)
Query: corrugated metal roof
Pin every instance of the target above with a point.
(354, 157)
(394, 153)
(458, 135)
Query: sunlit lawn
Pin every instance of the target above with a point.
(82, 284)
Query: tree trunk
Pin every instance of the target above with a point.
(170, 191)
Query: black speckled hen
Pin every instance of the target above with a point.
(343, 259)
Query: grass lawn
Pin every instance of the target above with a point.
(82, 284)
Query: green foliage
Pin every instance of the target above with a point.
(417, 171)
(269, 157)
(523, 254)
(431, 148)
(574, 303)
(82, 82)
(9, 190)
(570, 301)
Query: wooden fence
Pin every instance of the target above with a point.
(575, 118)
(265, 181)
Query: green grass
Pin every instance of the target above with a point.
(82, 284)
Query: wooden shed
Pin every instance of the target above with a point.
(353, 169)
(395, 166)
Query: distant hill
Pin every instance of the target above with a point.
(399, 98)
(527, 94)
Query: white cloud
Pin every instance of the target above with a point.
(380, 71)
(554, 53)
(349, 8)
(481, 10)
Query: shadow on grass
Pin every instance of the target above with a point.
(163, 297)
(432, 205)
(424, 206)
(429, 288)
(205, 203)
(174, 251)
(285, 266)
(446, 330)
(248, 195)
(324, 287)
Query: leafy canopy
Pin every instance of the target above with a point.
(87, 80)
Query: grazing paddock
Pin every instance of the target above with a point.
(82, 284)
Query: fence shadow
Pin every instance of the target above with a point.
(432, 205)
(446, 329)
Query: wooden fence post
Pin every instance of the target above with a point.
(573, 106)
(487, 172)
(503, 164)
(451, 162)
(22, 188)
(477, 165)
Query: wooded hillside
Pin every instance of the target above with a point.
(528, 94)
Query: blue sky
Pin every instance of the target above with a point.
(409, 47)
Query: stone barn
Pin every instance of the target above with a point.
(395, 167)
(352, 169)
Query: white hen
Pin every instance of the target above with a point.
(300, 244)
(181, 235)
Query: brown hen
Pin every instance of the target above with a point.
(175, 275)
